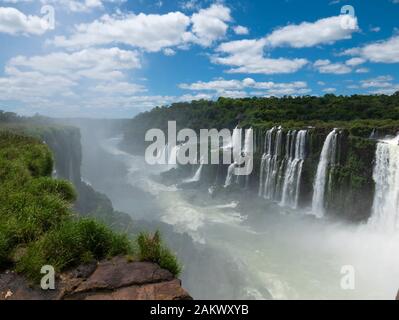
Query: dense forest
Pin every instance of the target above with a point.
(358, 113)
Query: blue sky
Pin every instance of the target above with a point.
(115, 58)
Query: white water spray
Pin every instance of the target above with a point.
(296, 153)
(385, 213)
(197, 175)
(326, 158)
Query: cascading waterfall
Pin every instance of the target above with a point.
(272, 168)
(271, 165)
(265, 158)
(327, 157)
(197, 175)
(230, 175)
(295, 157)
(248, 151)
(237, 152)
(385, 213)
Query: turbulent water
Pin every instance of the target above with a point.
(262, 249)
(326, 158)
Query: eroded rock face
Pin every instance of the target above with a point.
(115, 279)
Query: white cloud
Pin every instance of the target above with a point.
(362, 70)
(14, 22)
(169, 52)
(238, 88)
(87, 78)
(151, 32)
(100, 64)
(386, 51)
(329, 90)
(380, 85)
(307, 34)
(246, 56)
(378, 82)
(326, 66)
(355, 62)
(210, 24)
(241, 30)
(81, 5)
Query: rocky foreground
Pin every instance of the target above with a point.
(116, 279)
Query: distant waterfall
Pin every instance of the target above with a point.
(281, 166)
(272, 166)
(236, 140)
(238, 152)
(197, 175)
(295, 157)
(327, 157)
(230, 175)
(385, 215)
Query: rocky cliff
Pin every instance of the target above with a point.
(116, 279)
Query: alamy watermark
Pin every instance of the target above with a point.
(185, 147)
(48, 17)
(348, 278)
(348, 18)
(48, 280)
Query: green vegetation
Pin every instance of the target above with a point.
(152, 249)
(360, 114)
(37, 223)
(74, 242)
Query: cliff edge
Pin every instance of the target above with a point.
(116, 279)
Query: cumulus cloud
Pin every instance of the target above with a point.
(210, 24)
(14, 22)
(89, 63)
(308, 34)
(151, 32)
(72, 5)
(239, 88)
(247, 56)
(90, 77)
(380, 85)
(241, 30)
(386, 51)
(326, 66)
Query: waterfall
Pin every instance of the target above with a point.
(272, 166)
(265, 159)
(385, 212)
(295, 157)
(236, 142)
(172, 159)
(237, 152)
(327, 157)
(248, 144)
(197, 175)
(230, 175)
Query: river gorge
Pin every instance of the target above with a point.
(275, 234)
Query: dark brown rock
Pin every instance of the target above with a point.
(116, 279)
(170, 290)
(119, 273)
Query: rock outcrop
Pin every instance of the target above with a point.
(116, 279)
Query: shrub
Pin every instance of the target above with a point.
(74, 243)
(152, 249)
(46, 185)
